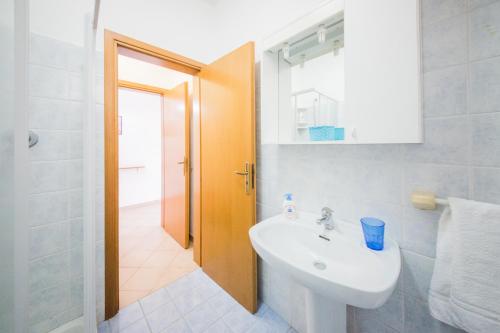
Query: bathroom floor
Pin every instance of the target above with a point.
(193, 304)
(149, 257)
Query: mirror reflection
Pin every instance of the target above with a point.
(311, 84)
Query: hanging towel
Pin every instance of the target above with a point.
(465, 286)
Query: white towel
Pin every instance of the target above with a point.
(465, 286)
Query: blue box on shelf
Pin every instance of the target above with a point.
(339, 133)
(322, 133)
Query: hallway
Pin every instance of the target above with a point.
(149, 257)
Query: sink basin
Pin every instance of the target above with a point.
(337, 268)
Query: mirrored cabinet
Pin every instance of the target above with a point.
(344, 73)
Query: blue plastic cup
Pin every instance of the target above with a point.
(373, 230)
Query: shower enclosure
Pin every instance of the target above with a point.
(47, 214)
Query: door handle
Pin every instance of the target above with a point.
(246, 174)
(185, 164)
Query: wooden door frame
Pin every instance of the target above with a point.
(115, 44)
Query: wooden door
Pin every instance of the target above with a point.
(175, 187)
(227, 179)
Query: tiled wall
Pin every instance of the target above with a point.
(460, 157)
(55, 201)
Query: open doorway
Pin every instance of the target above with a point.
(221, 170)
(154, 106)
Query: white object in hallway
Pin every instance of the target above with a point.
(337, 268)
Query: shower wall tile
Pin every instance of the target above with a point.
(75, 115)
(47, 303)
(485, 32)
(48, 176)
(49, 271)
(48, 52)
(48, 82)
(53, 146)
(75, 199)
(76, 88)
(56, 234)
(76, 59)
(48, 239)
(48, 207)
(48, 114)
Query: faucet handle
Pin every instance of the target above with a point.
(326, 212)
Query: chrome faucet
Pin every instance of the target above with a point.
(326, 218)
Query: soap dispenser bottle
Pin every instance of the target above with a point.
(289, 209)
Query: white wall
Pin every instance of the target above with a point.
(130, 69)
(324, 73)
(60, 19)
(200, 29)
(140, 145)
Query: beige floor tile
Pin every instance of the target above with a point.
(169, 244)
(185, 263)
(135, 258)
(129, 297)
(126, 273)
(160, 258)
(149, 257)
(144, 279)
(169, 275)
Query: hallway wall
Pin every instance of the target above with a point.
(140, 146)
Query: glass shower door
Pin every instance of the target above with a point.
(7, 188)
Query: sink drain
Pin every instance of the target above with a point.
(319, 265)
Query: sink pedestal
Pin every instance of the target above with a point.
(324, 315)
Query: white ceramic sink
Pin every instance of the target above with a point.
(338, 271)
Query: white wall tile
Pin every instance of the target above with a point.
(444, 43)
(445, 140)
(47, 303)
(48, 82)
(47, 207)
(76, 88)
(48, 176)
(48, 239)
(483, 89)
(50, 271)
(479, 3)
(75, 203)
(445, 92)
(484, 32)
(48, 114)
(443, 180)
(436, 10)
(420, 231)
(48, 52)
(486, 184)
(417, 274)
(485, 139)
(52, 146)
